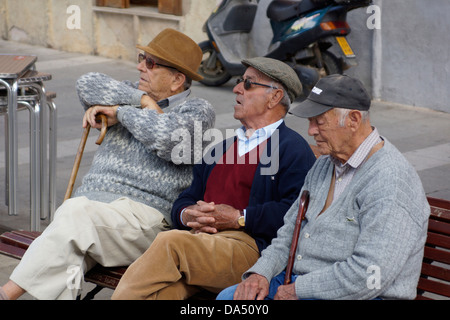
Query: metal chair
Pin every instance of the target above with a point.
(33, 97)
(28, 102)
(34, 80)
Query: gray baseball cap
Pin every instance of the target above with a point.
(334, 91)
(278, 71)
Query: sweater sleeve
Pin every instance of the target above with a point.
(189, 196)
(99, 89)
(176, 135)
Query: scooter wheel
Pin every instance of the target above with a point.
(331, 63)
(212, 70)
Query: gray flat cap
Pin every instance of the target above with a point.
(278, 71)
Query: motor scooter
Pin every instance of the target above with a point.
(303, 32)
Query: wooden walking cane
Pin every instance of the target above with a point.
(303, 206)
(80, 151)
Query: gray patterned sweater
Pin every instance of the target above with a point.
(135, 158)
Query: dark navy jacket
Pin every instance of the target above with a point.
(276, 185)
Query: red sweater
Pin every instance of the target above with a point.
(231, 179)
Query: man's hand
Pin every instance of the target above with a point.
(286, 292)
(210, 217)
(226, 217)
(109, 111)
(254, 287)
(149, 103)
(200, 216)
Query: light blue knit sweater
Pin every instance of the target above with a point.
(368, 243)
(135, 158)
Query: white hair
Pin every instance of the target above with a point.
(187, 82)
(285, 101)
(342, 113)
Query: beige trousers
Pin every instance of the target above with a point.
(179, 263)
(82, 234)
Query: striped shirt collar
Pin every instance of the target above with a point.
(361, 153)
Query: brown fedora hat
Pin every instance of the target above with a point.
(178, 50)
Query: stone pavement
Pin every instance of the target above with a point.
(422, 135)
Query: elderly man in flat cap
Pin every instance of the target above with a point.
(366, 224)
(237, 201)
(125, 199)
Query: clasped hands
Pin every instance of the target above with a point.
(111, 112)
(209, 217)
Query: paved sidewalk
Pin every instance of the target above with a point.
(422, 135)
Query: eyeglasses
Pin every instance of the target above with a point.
(150, 63)
(248, 84)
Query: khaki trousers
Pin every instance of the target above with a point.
(82, 234)
(179, 263)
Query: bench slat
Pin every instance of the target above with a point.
(434, 287)
(27, 234)
(107, 277)
(440, 214)
(438, 240)
(437, 255)
(439, 227)
(15, 240)
(440, 203)
(11, 251)
(103, 280)
(435, 272)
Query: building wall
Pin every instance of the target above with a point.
(416, 53)
(109, 32)
(406, 61)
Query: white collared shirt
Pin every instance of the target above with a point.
(246, 145)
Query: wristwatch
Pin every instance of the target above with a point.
(241, 219)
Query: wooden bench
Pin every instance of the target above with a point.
(434, 281)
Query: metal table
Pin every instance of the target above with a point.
(12, 68)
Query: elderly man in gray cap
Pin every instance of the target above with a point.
(237, 200)
(365, 228)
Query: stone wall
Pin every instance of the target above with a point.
(104, 31)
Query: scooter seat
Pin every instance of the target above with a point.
(281, 10)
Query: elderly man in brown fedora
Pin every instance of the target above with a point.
(126, 197)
